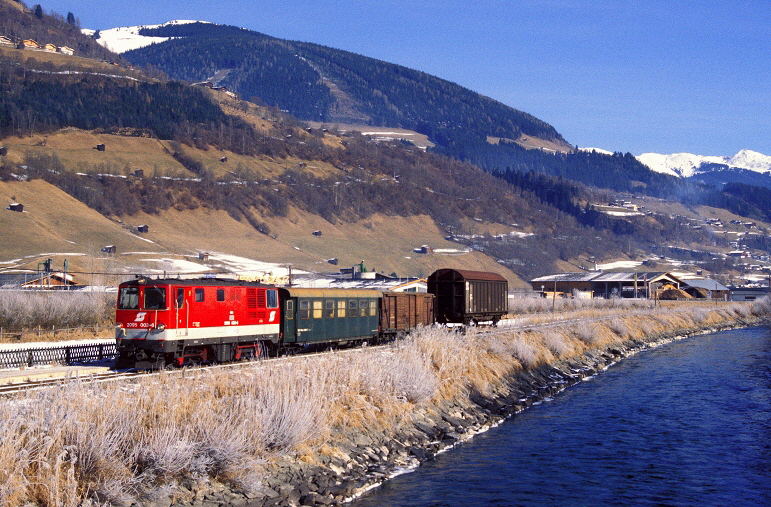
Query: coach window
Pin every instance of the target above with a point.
(129, 298)
(199, 295)
(353, 308)
(155, 298)
(272, 298)
(317, 309)
(220, 294)
(289, 309)
(180, 297)
(305, 312)
(329, 309)
(373, 307)
(363, 307)
(341, 308)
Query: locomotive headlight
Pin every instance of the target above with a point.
(161, 327)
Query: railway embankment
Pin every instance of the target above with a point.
(310, 430)
(354, 458)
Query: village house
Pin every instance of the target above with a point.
(600, 284)
(49, 280)
(29, 44)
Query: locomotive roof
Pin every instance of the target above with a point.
(219, 282)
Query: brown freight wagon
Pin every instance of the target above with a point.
(401, 312)
(468, 297)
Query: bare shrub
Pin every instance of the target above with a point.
(447, 352)
(742, 310)
(13, 459)
(523, 350)
(412, 379)
(286, 408)
(619, 327)
(646, 327)
(557, 344)
(587, 333)
(762, 307)
(699, 315)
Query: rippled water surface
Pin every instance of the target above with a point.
(686, 424)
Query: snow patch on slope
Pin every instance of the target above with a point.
(126, 38)
(596, 150)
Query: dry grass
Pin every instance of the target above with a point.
(115, 443)
(545, 305)
(32, 309)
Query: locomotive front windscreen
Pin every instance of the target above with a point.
(154, 298)
(128, 298)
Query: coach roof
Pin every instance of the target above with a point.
(299, 292)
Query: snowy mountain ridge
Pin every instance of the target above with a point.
(685, 165)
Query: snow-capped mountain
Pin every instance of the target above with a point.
(126, 38)
(686, 165)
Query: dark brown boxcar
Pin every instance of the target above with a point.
(466, 297)
(401, 312)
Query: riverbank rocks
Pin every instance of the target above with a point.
(363, 460)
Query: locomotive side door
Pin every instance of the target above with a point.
(182, 310)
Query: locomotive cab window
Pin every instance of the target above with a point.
(180, 297)
(220, 294)
(198, 295)
(155, 298)
(272, 296)
(129, 298)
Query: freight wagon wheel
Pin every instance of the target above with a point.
(286, 352)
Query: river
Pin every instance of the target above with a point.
(685, 424)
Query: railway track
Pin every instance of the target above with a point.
(13, 386)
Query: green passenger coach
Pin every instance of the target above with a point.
(329, 315)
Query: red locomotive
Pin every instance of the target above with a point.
(179, 322)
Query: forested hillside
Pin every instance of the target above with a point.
(315, 82)
(319, 83)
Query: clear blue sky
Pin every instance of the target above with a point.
(633, 76)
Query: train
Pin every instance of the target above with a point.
(162, 323)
